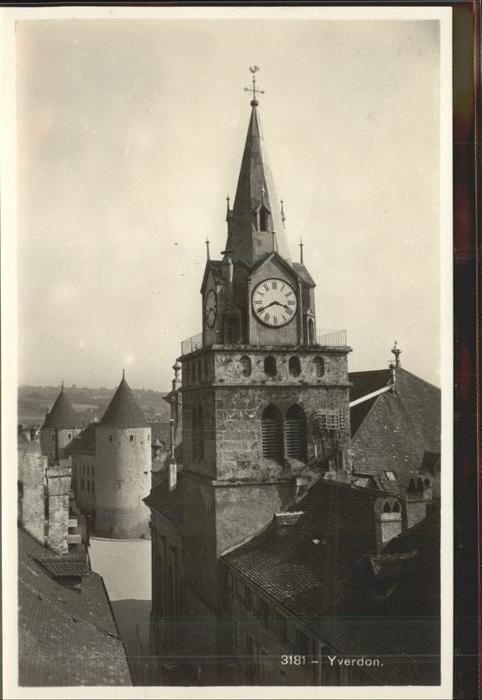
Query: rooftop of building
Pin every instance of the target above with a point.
(84, 442)
(66, 637)
(168, 503)
(62, 415)
(394, 430)
(123, 411)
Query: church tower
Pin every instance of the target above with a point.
(61, 424)
(123, 466)
(265, 396)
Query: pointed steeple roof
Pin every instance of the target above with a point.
(256, 213)
(123, 410)
(62, 415)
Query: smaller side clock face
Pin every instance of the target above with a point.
(210, 308)
(274, 302)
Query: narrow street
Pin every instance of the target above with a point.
(125, 566)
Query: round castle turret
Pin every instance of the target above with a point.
(123, 464)
(61, 424)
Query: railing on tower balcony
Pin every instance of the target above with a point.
(193, 343)
(327, 337)
(331, 336)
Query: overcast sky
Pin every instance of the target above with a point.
(130, 135)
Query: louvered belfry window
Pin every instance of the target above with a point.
(272, 428)
(296, 433)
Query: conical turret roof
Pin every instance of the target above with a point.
(123, 411)
(62, 415)
(247, 240)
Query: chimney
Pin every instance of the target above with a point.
(388, 517)
(59, 478)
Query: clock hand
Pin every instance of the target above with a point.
(267, 306)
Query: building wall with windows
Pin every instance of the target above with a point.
(273, 647)
(83, 480)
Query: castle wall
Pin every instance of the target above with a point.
(32, 493)
(123, 464)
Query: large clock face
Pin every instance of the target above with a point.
(210, 308)
(274, 302)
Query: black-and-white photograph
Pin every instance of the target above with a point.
(233, 253)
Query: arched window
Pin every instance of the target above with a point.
(296, 433)
(319, 366)
(426, 482)
(270, 366)
(272, 431)
(396, 507)
(246, 366)
(294, 366)
(311, 331)
(263, 219)
(386, 507)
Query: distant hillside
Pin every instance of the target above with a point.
(34, 401)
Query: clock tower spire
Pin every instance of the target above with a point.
(256, 213)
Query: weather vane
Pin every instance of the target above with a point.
(253, 89)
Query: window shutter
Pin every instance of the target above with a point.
(272, 432)
(296, 433)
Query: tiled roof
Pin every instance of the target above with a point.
(169, 503)
(62, 414)
(84, 442)
(292, 567)
(64, 565)
(66, 637)
(302, 272)
(123, 410)
(364, 383)
(398, 427)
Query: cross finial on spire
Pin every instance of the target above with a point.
(253, 89)
(123, 374)
(207, 249)
(301, 250)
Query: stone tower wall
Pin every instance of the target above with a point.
(48, 442)
(123, 467)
